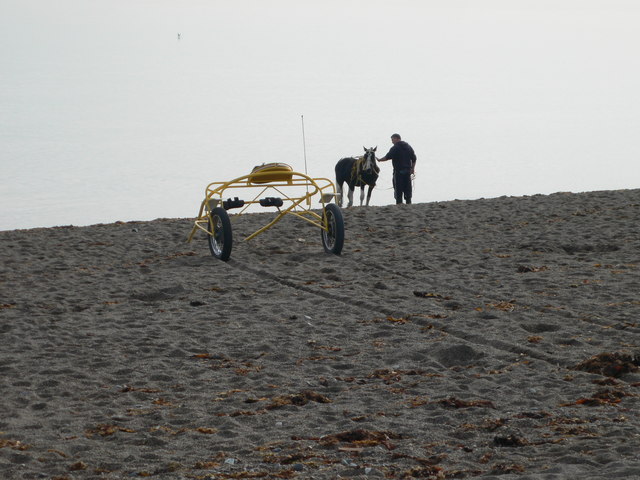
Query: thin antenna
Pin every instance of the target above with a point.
(304, 146)
(304, 150)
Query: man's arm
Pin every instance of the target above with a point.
(414, 159)
(388, 156)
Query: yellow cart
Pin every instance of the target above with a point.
(273, 185)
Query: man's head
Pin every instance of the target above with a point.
(395, 138)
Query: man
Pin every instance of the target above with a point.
(404, 165)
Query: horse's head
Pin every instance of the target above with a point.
(369, 162)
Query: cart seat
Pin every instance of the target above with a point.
(271, 172)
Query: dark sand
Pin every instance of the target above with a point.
(449, 340)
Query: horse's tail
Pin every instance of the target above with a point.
(343, 174)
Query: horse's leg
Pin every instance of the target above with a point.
(362, 196)
(350, 196)
(369, 193)
(339, 192)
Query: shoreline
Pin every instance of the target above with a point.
(118, 222)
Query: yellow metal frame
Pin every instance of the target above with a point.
(275, 180)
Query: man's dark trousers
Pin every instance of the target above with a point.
(402, 186)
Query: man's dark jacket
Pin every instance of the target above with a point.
(403, 156)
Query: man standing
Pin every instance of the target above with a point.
(404, 165)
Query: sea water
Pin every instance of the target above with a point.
(114, 110)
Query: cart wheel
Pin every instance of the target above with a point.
(220, 239)
(333, 239)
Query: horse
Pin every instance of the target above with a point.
(357, 172)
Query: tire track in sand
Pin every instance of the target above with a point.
(464, 335)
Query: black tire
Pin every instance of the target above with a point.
(333, 239)
(221, 240)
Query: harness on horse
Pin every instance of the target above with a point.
(357, 170)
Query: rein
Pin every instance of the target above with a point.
(356, 170)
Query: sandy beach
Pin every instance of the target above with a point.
(491, 338)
